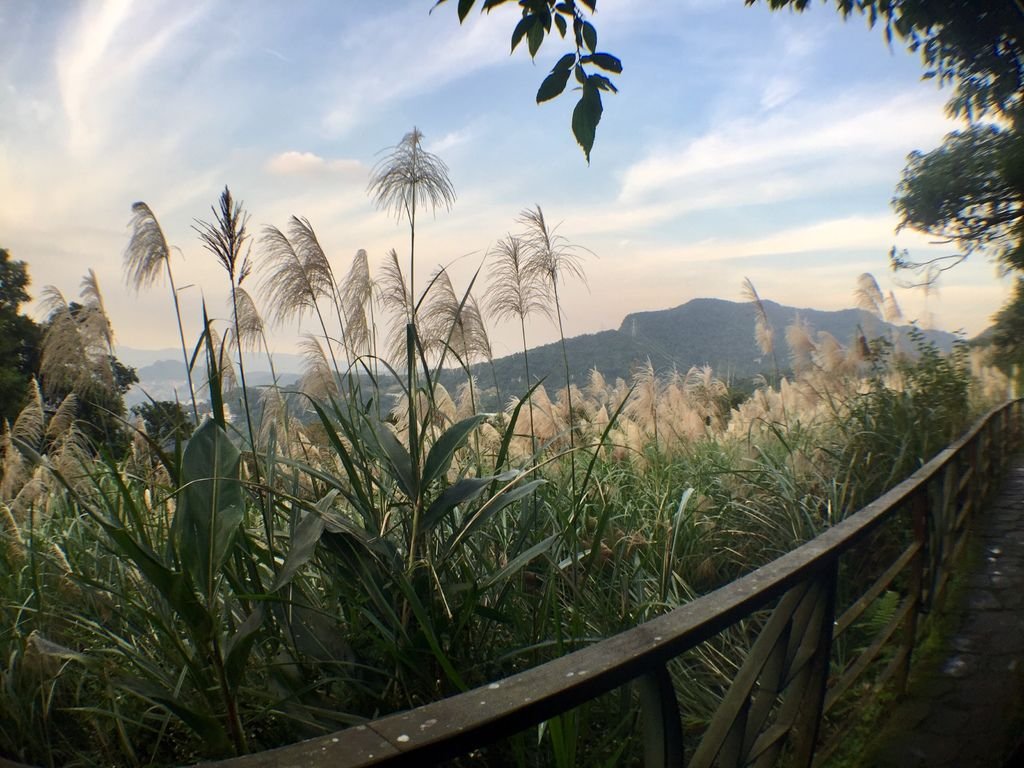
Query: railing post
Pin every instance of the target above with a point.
(663, 731)
(808, 722)
(919, 521)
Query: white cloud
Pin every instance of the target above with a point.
(294, 163)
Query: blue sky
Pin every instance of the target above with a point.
(742, 143)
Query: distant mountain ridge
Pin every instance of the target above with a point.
(713, 332)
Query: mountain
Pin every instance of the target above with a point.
(711, 332)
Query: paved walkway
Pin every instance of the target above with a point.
(969, 709)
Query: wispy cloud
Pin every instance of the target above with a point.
(105, 52)
(812, 134)
(412, 56)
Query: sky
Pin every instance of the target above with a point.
(742, 143)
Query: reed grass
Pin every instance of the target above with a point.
(352, 553)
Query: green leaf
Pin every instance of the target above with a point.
(591, 4)
(581, 76)
(441, 452)
(494, 505)
(553, 85)
(318, 636)
(239, 646)
(211, 506)
(465, 6)
(606, 62)
(565, 63)
(603, 83)
(206, 726)
(561, 24)
(535, 36)
(586, 116)
(461, 492)
(589, 36)
(524, 24)
(304, 540)
(395, 457)
(172, 585)
(520, 561)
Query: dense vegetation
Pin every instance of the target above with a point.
(332, 555)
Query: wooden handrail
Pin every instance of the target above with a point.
(779, 695)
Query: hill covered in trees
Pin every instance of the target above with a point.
(700, 332)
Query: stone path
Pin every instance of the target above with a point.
(969, 709)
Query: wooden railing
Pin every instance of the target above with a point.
(796, 670)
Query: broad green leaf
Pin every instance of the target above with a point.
(565, 62)
(441, 452)
(465, 6)
(304, 540)
(174, 586)
(561, 24)
(211, 505)
(606, 62)
(319, 637)
(586, 116)
(589, 36)
(524, 24)
(239, 646)
(591, 4)
(535, 36)
(553, 85)
(463, 491)
(395, 457)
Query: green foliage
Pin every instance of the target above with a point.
(1008, 338)
(979, 51)
(970, 193)
(20, 337)
(540, 18)
(166, 421)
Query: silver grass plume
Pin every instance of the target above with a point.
(550, 257)
(869, 296)
(406, 179)
(30, 424)
(318, 380)
(249, 324)
(147, 252)
(513, 291)
(764, 334)
(92, 298)
(356, 298)
(801, 346)
(448, 322)
(63, 418)
(296, 272)
(76, 351)
(396, 300)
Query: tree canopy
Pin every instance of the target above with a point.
(19, 336)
